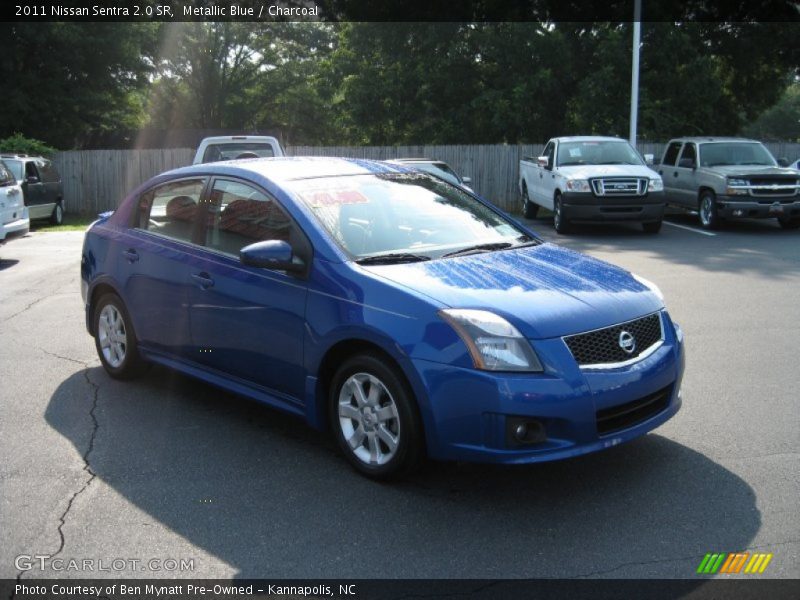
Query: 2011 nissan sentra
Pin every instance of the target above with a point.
(406, 314)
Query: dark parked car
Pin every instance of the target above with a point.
(41, 186)
(401, 311)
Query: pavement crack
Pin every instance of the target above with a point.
(83, 363)
(87, 467)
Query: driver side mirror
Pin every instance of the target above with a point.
(543, 161)
(275, 255)
(783, 162)
(648, 159)
(32, 179)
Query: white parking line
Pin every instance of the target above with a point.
(700, 231)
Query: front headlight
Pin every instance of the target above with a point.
(736, 187)
(655, 185)
(578, 185)
(494, 343)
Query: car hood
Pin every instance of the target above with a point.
(590, 171)
(752, 170)
(545, 291)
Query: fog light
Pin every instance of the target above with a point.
(738, 212)
(524, 431)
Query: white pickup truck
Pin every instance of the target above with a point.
(591, 179)
(230, 147)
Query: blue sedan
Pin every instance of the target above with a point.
(405, 314)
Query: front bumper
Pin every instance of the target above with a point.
(586, 207)
(742, 207)
(468, 413)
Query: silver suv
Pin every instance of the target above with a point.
(729, 178)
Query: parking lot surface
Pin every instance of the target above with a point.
(166, 468)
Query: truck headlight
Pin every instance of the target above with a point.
(736, 187)
(494, 344)
(578, 185)
(655, 185)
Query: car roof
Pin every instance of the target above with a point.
(589, 138)
(707, 138)
(414, 160)
(294, 167)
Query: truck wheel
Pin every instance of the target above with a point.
(652, 227)
(560, 221)
(707, 209)
(529, 209)
(789, 223)
(57, 217)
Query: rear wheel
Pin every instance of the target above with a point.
(652, 227)
(58, 214)
(374, 418)
(115, 339)
(529, 209)
(560, 221)
(789, 223)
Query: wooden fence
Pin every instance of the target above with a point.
(96, 180)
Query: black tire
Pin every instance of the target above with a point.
(529, 209)
(707, 210)
(652, 227)
(560, 221)
(405, 426)
(131, 364)
(789, 223)
(58, 214)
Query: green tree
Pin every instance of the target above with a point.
(66, 81)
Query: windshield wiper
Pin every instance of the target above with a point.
(478, 248)
(393, 258)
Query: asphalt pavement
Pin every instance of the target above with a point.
(165, 468)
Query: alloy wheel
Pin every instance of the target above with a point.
(112, 335)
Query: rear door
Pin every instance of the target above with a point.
(685, 177)
(156, 256)
(51, 180)
(668, 172)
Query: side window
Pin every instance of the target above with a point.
(671, 157)
(30, 170)
(689, 152)
(6, 178)
(239, 215)
(170, 209)
(549, 152)
(48, 171)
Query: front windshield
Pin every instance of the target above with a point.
(419, 215)
(234, 150)
(15, 166)
(597, 153)
(720, 154)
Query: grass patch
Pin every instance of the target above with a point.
(72, 222)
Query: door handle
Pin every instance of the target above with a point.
(131, 255)
(675, 174)
(203, 279)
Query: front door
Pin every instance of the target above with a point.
(248, 322)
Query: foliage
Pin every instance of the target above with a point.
(393, 83)
(20, 144)
(781, 121)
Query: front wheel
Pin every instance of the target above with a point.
(529, 209)
(652, 227)
(707, 209)
(374, 418)
(560, 221)
(115, 339)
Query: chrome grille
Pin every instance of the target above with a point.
(766, 186)
(619, 186)
(602, 348)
